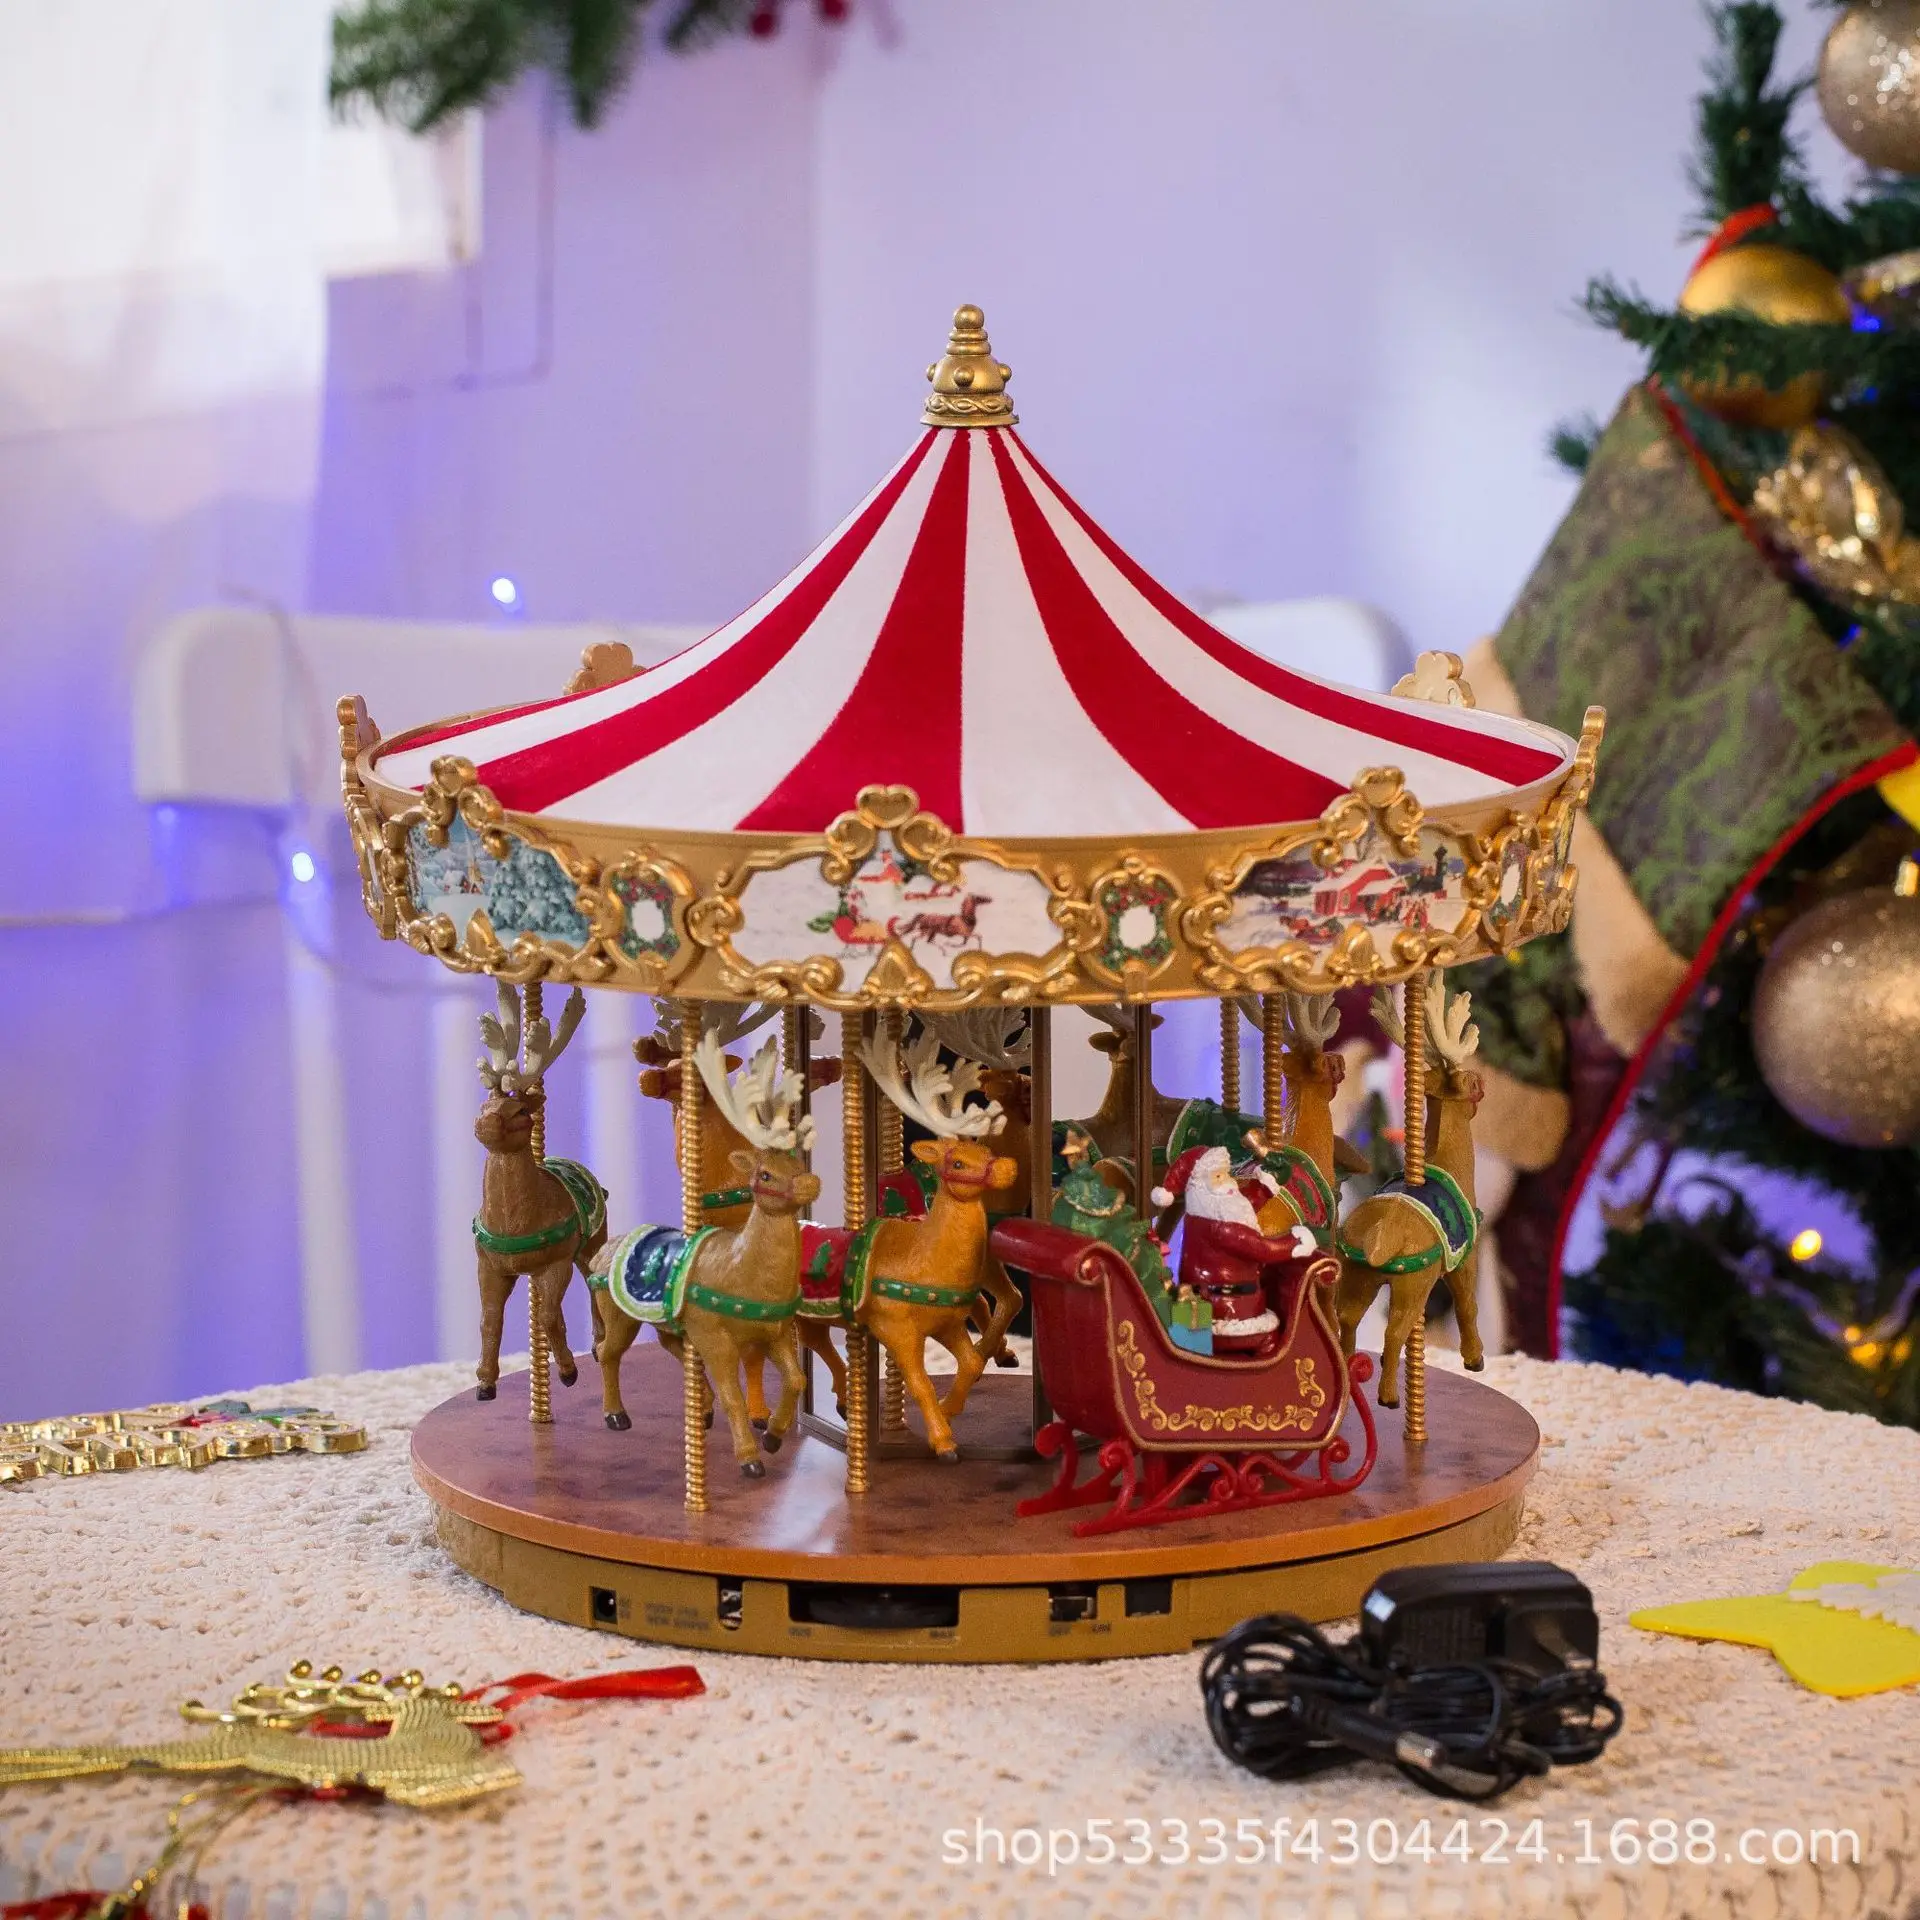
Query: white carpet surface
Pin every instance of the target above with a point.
(801, 1789)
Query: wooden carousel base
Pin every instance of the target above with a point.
(587, 1526)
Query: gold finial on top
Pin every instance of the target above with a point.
(969, 384)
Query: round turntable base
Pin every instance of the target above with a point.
(587, 1526)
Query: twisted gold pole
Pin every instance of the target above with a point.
(796, 1057)
(1040, 1155)
(853, 1153)
(693, 1383)
(1415, 1024)
(1273, 1083)
(1417, 1380)
(796, 1053)
(1146, 1174)
(892, 1154)
(539, 1347)
(1230, 1054)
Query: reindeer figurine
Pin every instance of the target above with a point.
(1111, 1125)
(544, 1217)
(1406, 1236)
(724, 1202)
(1307, 1159)
(999, 1040)
(996, 1039)
(923, 1276)
(732, 1292)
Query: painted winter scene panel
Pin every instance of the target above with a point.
(793, 913)
(1295, 899)
(528, 892)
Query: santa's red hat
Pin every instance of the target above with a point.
(1180, 1173)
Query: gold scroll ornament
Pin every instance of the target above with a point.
(430, 1755)
(168, 1435)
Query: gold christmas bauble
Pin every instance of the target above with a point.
(1775, 284)
(1869, 82)
(1836, 1019)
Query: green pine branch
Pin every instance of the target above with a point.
(1571, 442)
(1744, 154)
(1708, 1294)
(419, 62)
(1725, 346)
(601, 42)
(1521, 1006)
(1869, 227)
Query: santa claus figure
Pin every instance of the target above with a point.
(1223, 1250)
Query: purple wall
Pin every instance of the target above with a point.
(1288, 293)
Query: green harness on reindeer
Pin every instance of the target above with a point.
(1439, 1201)
(589, 1214)
(837, 1276)
(649, 1278)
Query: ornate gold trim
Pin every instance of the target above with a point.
(601, 896)
(1378, 802)
(1134, 882)
(359, 735)
(1223, 1420)
(896, 978)
(701, 882)
(1351, 954)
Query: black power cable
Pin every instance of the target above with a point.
(1286, 1702)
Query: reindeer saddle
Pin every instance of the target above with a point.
(1438, 1200)
(589, 1215)
(833, 1270)
(647, 1271)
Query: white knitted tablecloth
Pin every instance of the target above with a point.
(795, 1788)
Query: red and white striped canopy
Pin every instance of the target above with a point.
(970, 633)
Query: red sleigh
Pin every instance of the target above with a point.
(1182, 1435)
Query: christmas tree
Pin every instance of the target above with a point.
(1735, 1015)
(422, 61)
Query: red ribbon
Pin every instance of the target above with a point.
(1733, 229)
(636, 1683)
(76, 1906)
(633, 1683)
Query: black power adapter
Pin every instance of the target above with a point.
(1466, 1678)
(1536, 1615)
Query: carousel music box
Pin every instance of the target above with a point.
(968, 763)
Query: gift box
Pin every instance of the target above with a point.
(1191, 1324)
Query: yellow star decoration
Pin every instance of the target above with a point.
(1843, 1627)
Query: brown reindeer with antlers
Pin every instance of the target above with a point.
(924, 1275)
(1406, 1237)
(542, 1218)
(732, 1292)
(724, 1201)
(1308, 1153)
(999, 1041)
(1111, 1124)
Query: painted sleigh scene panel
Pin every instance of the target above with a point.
(796, 910)
(1295, 898)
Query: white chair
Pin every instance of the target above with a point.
(234, 708)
